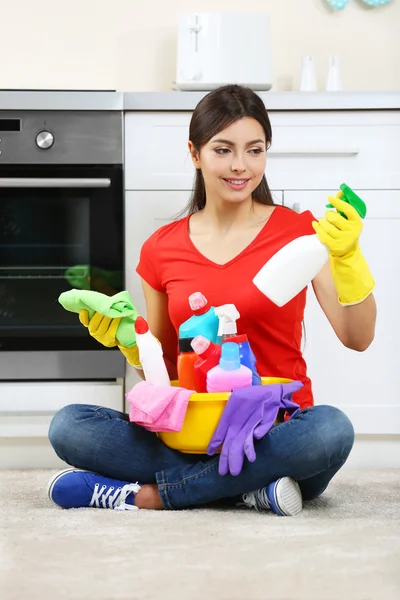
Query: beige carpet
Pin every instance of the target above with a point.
(344, 546)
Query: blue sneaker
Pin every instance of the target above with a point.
(76, 488)
(283, 497)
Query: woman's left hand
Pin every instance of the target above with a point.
(353, 280)
(339, 234)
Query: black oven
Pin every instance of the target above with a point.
(61, 228)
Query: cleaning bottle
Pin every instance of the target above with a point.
(208, 355)
(227, 331)
(227, 315)
(185, 364)
(229, 374)
(293, 267)
(150, 354)
(204, 320)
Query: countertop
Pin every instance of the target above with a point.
(61, 100)
(186, 101)
(273, 100)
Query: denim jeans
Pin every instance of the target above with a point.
(311, 447)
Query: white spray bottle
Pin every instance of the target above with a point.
(227, 314)
(150, 354)
(293, 267)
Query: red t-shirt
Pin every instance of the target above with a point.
(169, 262)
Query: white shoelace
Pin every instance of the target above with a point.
(257, 499)
(116, 500)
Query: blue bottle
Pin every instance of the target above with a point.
(203, 322)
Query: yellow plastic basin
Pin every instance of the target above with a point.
(202, 417)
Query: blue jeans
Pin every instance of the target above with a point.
(311, 447)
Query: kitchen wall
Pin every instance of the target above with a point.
(131, 44)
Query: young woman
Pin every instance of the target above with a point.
(232, 229)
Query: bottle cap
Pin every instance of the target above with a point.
(198, 303)
(237, 338)
(230, 357)
(185, 345)
(200, 344)
(141, 325)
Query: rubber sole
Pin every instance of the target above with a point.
(287, 497)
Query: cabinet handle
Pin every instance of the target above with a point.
(296, 206)
(314, 152)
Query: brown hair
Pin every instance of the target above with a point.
(216, 111)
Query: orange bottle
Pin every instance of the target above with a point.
(185, 364)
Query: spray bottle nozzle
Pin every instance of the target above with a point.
(351, 198)
(227, 315)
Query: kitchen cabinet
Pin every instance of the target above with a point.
(19, 418)
(310, 150)
(24, 424)
(365, 385)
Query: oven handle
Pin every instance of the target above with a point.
(59, 182)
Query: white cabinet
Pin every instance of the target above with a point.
(156, 151)
(310, 150)
(367, 384)
(320, 150)
(19, 420)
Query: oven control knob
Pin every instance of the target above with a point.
(45, 140)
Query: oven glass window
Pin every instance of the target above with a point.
(53, 240)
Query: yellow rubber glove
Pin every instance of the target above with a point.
(352, 277)
(103, 329)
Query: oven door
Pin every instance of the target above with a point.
(61, 228)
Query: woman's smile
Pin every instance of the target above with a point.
(236, 184)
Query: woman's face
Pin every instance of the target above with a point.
(233, 161)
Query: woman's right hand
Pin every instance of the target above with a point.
(101, 328)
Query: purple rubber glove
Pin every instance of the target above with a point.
(249, 411)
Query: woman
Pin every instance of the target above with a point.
(232, 229)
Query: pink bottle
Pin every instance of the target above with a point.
(229, 374)
(208, 357)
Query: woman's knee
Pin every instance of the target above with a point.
(64, 424)
(335, 431)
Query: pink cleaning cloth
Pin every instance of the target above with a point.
(158, 407)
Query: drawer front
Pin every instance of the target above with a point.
(310, 150)
(320, 151)
(26, 409)
(48, 397)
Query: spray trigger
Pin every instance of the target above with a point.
(351, 198)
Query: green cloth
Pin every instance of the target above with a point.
(120, 305)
